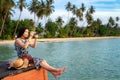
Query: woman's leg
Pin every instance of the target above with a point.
(55, 71)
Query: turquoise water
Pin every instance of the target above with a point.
(85, 60)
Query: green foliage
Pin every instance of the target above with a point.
(10, 28)
(40, 30)
(62, 33)
(48, 35)
(88, 32)
(103, 30)
(51, 28)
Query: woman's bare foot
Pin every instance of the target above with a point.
(59, 72)
(62, 70)
(55, 74)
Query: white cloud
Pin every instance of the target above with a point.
(101, 13)
(104, 16)
(25, 14)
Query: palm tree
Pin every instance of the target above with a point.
(79, 14)
(99, 22)
(59, 21)
(91, 10)
(21, 5)
(73, 25)
(116, 24)
(33, 8)
(49, 8)
(117, 18)
(68, 8)
(6, 6)
(45, 9)
(111, 22)
(51, 1)
(41, 9)
(83, 8)
(74, 9)
(89, 18)
(95, 26)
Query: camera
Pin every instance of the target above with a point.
(34, 34)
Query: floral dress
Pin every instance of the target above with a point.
(23, 53)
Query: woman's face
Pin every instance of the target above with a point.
(26, 33)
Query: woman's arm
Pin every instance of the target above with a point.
(20, 43)
(35, 42)
(24, 45)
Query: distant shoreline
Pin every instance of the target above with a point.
(5, 42)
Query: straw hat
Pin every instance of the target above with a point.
(19, 63)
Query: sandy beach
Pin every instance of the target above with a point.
(5, 42)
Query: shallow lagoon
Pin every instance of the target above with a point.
(85, 60)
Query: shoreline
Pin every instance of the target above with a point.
(5, 42)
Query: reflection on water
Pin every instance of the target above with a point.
(85, 60)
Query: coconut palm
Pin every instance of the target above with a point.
(74, 9)
(51, 1)
(111, 22)
(91, 10)
(49, 8)
(95, 26)
(21, 5)
(117, 18)
(45, 9)
(79, 14)
(6, 7)
(116, 24)
(41, 10)
(99, 22)
(83, 8)
(73, 25)
(68, 8)
(59, 21)
(33, 8)
(89, 18)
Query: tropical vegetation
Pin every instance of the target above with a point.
(42, 9)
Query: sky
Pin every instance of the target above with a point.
(103, 9)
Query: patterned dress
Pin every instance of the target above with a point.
(23, 53)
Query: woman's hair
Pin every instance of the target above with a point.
(21, 31)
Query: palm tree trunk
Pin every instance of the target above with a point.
(68, 17)
(45, 19)
(17, 24)
(38, 21)
(3, 24)
(34, 22)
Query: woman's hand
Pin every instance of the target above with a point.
(36, 36)
(32, 34)
(35, 41)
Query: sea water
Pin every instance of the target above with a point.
(85, 60)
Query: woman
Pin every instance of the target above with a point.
(21, 45)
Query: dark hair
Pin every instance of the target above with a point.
(21, 32)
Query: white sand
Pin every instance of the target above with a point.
(5, 42)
